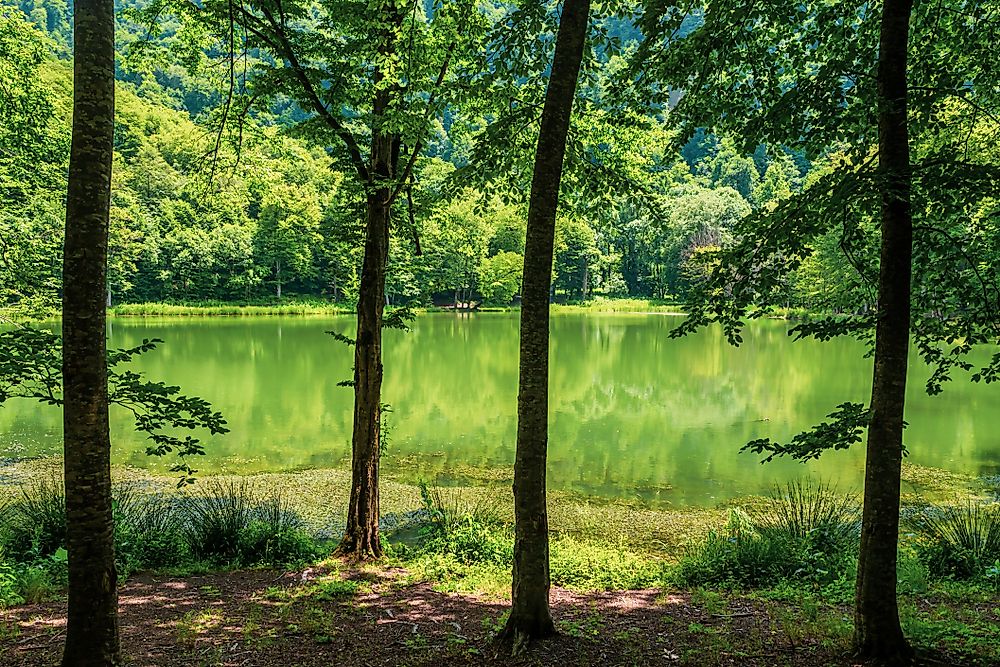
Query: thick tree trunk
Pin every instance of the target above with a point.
(878, 635)
(92, 611)
(530, 617)
(361, 537)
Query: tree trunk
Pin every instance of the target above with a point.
(361, 537)
(92, 609)
(530, 617)
(277, 278)
(878, 635)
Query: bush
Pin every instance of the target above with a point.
(960, 542)
(737, 558)
(823, 524)
(472, 541)
(470, 530)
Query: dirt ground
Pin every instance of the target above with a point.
(311, 618)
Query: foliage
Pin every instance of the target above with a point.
(763, 75)
(31, 367)
(960, 541)
(9, 594)
(231, 524)
(500, 277)
(810, 510)
(34, 523)
(806, 531)
(149, 531)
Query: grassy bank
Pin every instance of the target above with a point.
(315, 307)
(788, 558)
(219, 308)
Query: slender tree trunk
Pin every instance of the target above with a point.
(530, 617)
(277, 278)
(92, 611)
(361, 536)
(878, 635)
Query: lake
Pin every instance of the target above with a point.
(634, 414)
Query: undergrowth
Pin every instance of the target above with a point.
(219, 525)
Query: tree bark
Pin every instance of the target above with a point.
(361, 536)
(92, 611)
(530, 617)
(878, 635)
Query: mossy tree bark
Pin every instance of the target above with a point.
(878, 635)
(92, 612)
(530, 617)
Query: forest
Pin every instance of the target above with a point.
(499, 333)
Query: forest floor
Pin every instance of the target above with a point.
(335, 614)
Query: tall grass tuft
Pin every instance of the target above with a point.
(960, 541)
(229, 523)
(149, 531)
(810, 511)
(34, 524)
(804, 531)
(214, 519)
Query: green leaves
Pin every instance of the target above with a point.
(844, 429)
(31, 367)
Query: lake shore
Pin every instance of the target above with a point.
(612, 594)
(292, 307)
(655, 531)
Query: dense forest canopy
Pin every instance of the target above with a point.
(194, 219)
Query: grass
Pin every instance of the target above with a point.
(791, 553)
(619, 305)
(961, 541)
(293, 306)
(223, 524)
(222, 308)
(803, 532)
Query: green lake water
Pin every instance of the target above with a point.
(634, 414)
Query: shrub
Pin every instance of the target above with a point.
(736, 558)
(823, 526)
(961, 541)
(214, 520)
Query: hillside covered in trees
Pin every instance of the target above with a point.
(202, 217)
